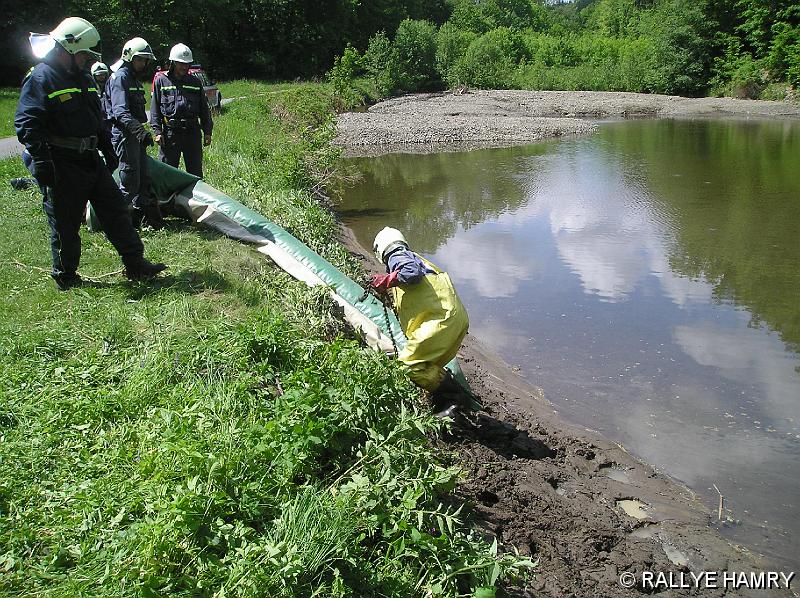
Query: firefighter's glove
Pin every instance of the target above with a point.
(142, 135)
(146, 138)
(45, 172)
(383, 282)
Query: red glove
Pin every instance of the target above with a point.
(383, 282)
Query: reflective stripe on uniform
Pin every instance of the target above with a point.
(61, 92)
(191, 87)
(170, 87)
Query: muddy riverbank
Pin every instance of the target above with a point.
(492, 118)
(579, 503)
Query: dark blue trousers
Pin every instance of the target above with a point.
(134, 179)
(81, 178)
(183, 141)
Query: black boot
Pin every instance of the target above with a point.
(142, 269)
(67, 281)
(448, 396)
(153, 217)
(21, 183)
(137, 217)
(448, 412)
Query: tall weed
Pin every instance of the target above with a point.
(217, 433)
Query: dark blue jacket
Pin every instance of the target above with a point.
(175, 98)
(54, 101)
(408, 265)
(105, 100)
(127, 100)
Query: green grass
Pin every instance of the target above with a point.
(361, 91)
(8, 105)
(218, 432)
(250, 87)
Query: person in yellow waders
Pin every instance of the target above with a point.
(431, 315)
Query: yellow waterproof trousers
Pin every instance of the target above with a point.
(434, 321)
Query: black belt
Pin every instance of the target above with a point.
(79, 144)
(181, 123)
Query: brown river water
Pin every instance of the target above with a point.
(647, 277)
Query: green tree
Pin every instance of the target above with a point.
(682, 36)
(617, 18)
(491, 60)
(784, 49)
(451, 45)
(379, 63)
(414, 53)
(481, 16)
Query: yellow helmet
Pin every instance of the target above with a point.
(387, 240)
(75, 35)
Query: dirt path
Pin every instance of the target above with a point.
(9, 147)
(491, 118)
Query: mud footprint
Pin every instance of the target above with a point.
(508, 441)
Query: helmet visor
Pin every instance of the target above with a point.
(146, 52)
(41, 44)
(96, 52)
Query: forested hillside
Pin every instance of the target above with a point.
(736, 47)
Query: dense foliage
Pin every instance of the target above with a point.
(282, 39)
(745, 48)
(736, 47)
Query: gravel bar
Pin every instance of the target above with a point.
(492, 118)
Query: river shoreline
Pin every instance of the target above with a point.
(434, 122)
(578, 502)
(581, 504)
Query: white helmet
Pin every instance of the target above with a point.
(181, 53)
(77, 35)
(74, 34)
(387, 240)
(137, 47)
(100, 68)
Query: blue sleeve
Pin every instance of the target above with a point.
(409, 267)
(206, 122)
(30, 120)
(120, 110)
(155, 107)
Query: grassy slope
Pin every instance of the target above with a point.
(8, 104)
(215, 432)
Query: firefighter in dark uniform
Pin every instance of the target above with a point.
(100, 75)
(129, 135)
(177, 103)
(58, 120)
